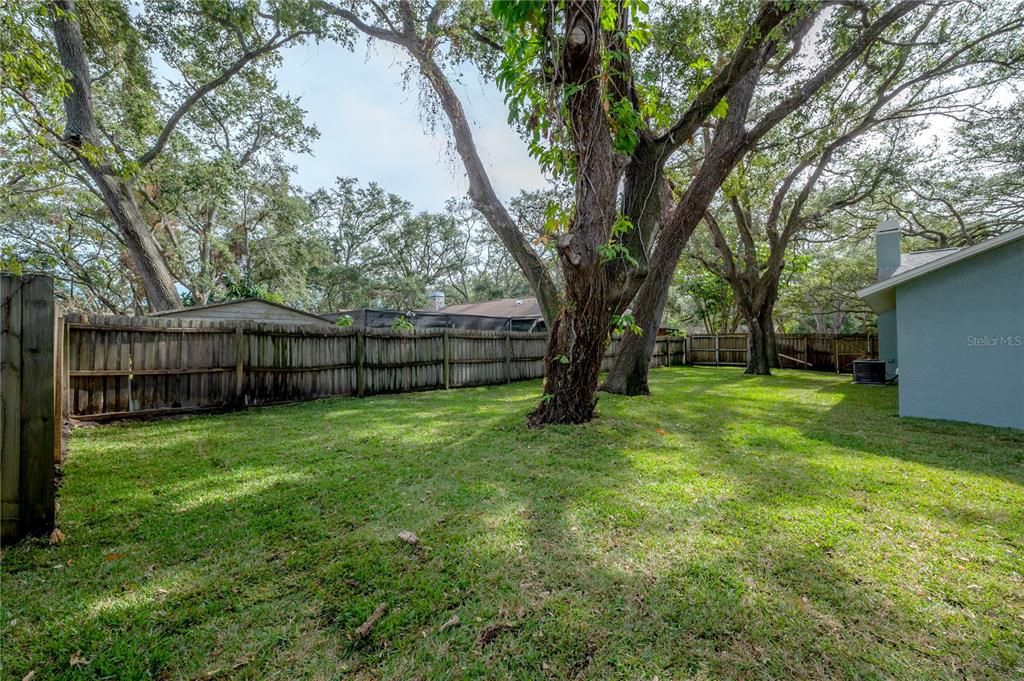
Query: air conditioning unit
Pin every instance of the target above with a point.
(869, 371)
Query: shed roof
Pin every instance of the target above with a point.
(184, 312)
(881, 297)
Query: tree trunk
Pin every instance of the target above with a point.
(644, 193)
(580, 335)
(628, 375)
(138, 239)
(762, 344)
(482, 193)
(81, 130)
(758, 363)
(576, 345)
(774, 361)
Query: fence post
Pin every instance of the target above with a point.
(718, 351)
(360, 362)
(65, 353)
(239, 366)
(36, 490)
(508, 356)
(835, 351)
(58, 388)
(447, 368)
(686, 349)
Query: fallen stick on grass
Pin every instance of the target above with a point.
(453, 622)
(365, 627)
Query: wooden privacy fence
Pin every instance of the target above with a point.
(30, 420)
(722, 350)
(797, 351)
(825, 353)
(125, 366)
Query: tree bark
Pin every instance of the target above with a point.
(629, 372)
(576, 346)
(762, 346)
(482, 193)
(143, 249)
(628, 375)
(80, 133)
(581, 332)
(774, 360)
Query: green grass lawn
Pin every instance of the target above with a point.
(727, 527)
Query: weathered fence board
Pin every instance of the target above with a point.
(10, 404)
(797, 351)
(29, 429)
(825, 353)
(722, 350)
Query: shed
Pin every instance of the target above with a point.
(951, 327)
(248, 309)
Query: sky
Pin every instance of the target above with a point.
(371, 128)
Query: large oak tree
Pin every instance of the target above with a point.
(568, 74)
(845, 148)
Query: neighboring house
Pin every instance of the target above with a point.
(505, 314)
(951, 326)
(443, 319)
(248, 309)
(524, 314)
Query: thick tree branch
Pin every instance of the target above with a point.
(748, 55)
(813, 84)
(161, 141)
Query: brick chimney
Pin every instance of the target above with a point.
(887, 249)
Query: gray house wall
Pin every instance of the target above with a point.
(960, 338)
(888, 345)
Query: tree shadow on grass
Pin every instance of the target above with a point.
(865, 419)
(705, 532)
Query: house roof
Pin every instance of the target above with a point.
(909, 261)
(227, 303)
(881, 297)
(505, 307)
